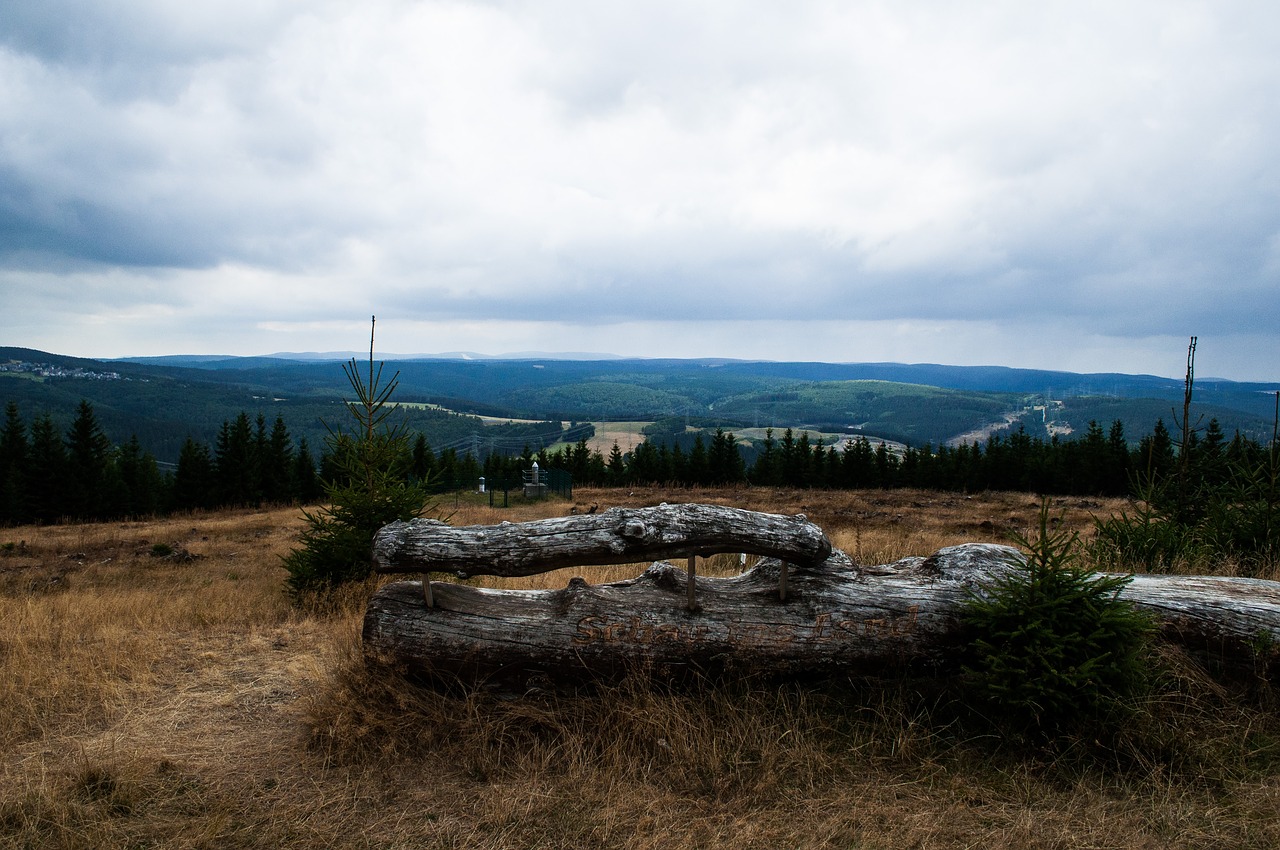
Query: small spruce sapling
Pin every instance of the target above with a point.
(369, 488)
(1053, 646)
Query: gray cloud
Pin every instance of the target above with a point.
(1104, 171)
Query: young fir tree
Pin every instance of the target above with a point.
(370, 488)
(1054, 648)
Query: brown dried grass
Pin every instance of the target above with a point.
(184, 702)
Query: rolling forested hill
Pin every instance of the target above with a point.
(165, 400)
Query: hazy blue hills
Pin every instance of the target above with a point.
(165, 399)
(1002, 379)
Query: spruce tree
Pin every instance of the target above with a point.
(1118, 464)
(193, 480)
(616, 466)
(276, 465)
(886, 467)
(699, 465)
(645, 466)
(1209, 463)
(862, 463)
(727, 466)
(816, 468)
(307, 488)
(766, 471)
(1053, 647)
(14, 457)
(135, 476)
(678, 466)
(1156, 458)
(370, 490)
(46, 479)
(88, 454)
(910, 466)
(468, 471)
(789, 472)
(423, 464)
(236, 463)
(1093, 468)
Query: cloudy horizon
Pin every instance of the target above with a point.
(1073, 186)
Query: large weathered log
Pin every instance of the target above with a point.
(617, 536)
(837, 618)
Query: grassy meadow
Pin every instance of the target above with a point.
(160, 690)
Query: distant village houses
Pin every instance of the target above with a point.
(48, 370)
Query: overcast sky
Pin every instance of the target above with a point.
(1070, 185)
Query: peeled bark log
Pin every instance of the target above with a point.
(838, 619)
(617, 536)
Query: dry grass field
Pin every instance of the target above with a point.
(160, 690)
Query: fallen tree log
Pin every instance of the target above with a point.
(617, 536)
(838, 618)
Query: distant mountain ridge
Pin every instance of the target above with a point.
(342, 356)
(977, 378)
(982, 378)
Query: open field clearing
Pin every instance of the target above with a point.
(627, 435)
(158, 689)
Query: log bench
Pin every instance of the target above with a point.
(804, 610)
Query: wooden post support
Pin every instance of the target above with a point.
(782, 583)
(426, 590)
(691, 599)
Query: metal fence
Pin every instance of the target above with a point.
(501, 491)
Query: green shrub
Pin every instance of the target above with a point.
(1053, 645)
(1235, 520)
(1149, 539)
